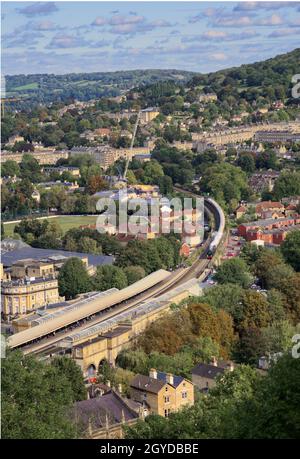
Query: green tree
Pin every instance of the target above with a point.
(234, 271)
(68, 368)
(134, 274)
(10, 169)
(73, 278)
(291, 249)
(36, 399)
(108, 277)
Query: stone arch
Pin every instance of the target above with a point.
(91, 370)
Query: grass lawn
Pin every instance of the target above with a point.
(66, 223)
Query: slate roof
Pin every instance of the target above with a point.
(109, 406)
(147, 384)
(207, 371)
(8, 257)
(163, 377)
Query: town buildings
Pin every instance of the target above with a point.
(162, 393)
(105, 155)
(43, 156)
(270, 230)
(27, 286)
(105, 416)
(204, 375)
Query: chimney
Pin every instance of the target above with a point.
(153, 373)
(214, 362)
(230, 366)
(170, 378)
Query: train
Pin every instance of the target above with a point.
(220, 224)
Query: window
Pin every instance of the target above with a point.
(167, 399)
(184, 394)
(167, 412)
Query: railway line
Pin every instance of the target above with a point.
(47, 334)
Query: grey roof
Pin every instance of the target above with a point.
(10, 256)
(163, 377)
(109, 407)
(146, 383)
(207, 371)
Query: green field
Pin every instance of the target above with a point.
(26, 86)
(65, 222)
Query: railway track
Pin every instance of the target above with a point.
(199, 266)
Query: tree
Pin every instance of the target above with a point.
(273, 411)
(234, 271)
(246, 163)
(255, 310)
(88, 245)
(288, 184)
(96, 183)
(108, 277)
(30, 168)
(227, 297)
(36, 399)
(69, 369)
(73, 278)
(10, 169)
(291, 249)
(134, 274)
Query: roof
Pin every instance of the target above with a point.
(147, 384)
(109, 407)
(90, 307)
(266, 205)
(20, 253)
(176, 379)
(207, 371)
(266, 222)
(241, 209)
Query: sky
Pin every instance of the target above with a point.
(65, 37)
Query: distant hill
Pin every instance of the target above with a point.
(270, 78)
(46, 88)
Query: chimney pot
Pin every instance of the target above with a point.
(153, 373)
(214, 362)
(170, 378)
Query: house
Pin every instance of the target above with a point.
(240, 212)
(162, 393)
(104, 417)
(204, 375)
(265, 207)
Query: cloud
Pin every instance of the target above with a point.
(99, 44)
(219, 36)
(99, 21)
(38, 9)
(284, 33)
(218, 56)
(124, 25)
(119, 19)
(42, 25)
(241, 21)
(247, 21)
(254, 6)
(21, 39)
(63, 41)
(273, 20)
